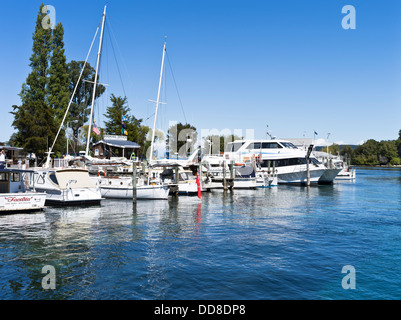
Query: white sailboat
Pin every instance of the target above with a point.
(73, 185)
(121, 186)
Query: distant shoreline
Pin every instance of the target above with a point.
(375, 166)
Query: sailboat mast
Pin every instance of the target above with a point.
(157, 103)
(95, 82)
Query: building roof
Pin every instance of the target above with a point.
(10, 148)
(124, 144)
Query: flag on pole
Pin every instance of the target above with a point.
(95, 128)
(315, 132)
(199, 187)
(124, 127)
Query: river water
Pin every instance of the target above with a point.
(286, 242)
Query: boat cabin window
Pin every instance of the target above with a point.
(15, 177)
(288, 145)
(3, 176)
(284, 162)
(315, 161)
(254, 145)
(185, 176)
(41, 179)
(234, 146)
(229, 147)
(271, 145)
(53, 178)
(264, 145)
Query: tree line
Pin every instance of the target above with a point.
(47, 91)
(371, 152)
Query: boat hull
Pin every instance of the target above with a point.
(328, 176)
(155, 192)
(299, 177)
(22, 202)
(71, 197)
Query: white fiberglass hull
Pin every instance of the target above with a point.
(346, 174)
(155, 192)
(121, 188)
(28, 201)
(294, 176)
(71, 196)
(328, 176)
(71, 186)
(187, 188)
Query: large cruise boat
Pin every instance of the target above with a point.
(282, 156)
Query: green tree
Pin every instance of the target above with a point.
(387, 151)
(181, 139)
(82, 100)
(34, 119)
(58, 84)
(347, 152)
(136, 131)
(216, 144)
(333, 149)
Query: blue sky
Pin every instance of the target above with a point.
(237, 65)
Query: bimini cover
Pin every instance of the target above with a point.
(79, 178)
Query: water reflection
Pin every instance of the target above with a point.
(228, 245)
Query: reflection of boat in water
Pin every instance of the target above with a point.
(71, 186)
(14, 197)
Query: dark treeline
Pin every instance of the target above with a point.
(372, 152)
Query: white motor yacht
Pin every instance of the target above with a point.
(71, 186)
(286, 160)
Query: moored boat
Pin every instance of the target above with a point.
(14, 196)
(71, 186)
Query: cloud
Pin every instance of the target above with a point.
(321, 142)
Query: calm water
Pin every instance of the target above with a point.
(280, 243)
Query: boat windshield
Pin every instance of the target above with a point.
(288, 145)
(234, 146)
(185, 176)
(315, 161)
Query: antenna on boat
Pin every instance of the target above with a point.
(95, 84)
(157, 101)
(268, 133)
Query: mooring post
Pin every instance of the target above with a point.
(224, 176)
(231, 175)
(307, 172)
(176, 191)
(134, 182)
